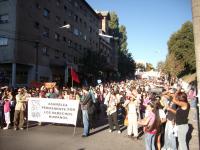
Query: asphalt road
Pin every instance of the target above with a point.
(60, 137)
(55, 137)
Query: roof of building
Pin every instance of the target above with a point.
(103, 13)
(92, 10)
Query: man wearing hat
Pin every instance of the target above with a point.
(21, 99)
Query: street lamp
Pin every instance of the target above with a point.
(66, 26)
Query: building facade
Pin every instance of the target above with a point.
(35, 45)
(107, 44)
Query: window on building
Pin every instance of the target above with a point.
(76, 18)
(45, 51)
(46, 13)
(76, 32)
(3, 18)
(80, 33)
(69, 43)
(90, 29)
(45, 33)
(64, 55)
(75, 60)
(70, 13)
(37, 5)
(76, 4)
(65, 8)
(21, 77)
(80, 20)
(56, 54)
(57, 37)
(85, 37)
(85, 24)
(57, 19)
(58, 2)
(3, 41)
(44, 79)
(36, 25)
(75, 46)
(64, 39)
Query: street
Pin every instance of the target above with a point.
(60, 137)
(54, 137)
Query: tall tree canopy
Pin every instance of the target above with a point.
(181, 55)
(114, 24)
(126, 64)
(123, 38)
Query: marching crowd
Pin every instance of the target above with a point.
(163, 115)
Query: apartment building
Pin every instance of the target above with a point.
(107, 43)
(39, 38)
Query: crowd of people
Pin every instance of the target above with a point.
(163, 114)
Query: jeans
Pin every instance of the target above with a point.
(112, 119)
(150, 141)
(182, 133)
(1, 117)
(193, 103)
(85, 122)
(170, 139)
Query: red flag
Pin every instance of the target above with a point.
(74, 76)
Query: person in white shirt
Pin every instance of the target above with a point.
(131, 105)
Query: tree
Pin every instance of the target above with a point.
(160, 66)
(123, 38)
(126, 64)
(114, 24)
(181, 51)
(172, 66)
(93, 62)
(140, 66)
(149, 67)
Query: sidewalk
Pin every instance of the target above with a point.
(193, 134)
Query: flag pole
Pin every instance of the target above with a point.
(72, 77)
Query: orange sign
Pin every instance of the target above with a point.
(50, 85)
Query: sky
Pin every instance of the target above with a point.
(149, 24)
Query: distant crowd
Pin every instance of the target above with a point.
(160, 108)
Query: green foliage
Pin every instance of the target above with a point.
(126, 64)
(173, 66)
(93, 62)
(160, 66)
(181, 55)
(114, 24)
(140, 66)
(123, 38)
(149, 67)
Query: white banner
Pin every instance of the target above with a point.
(53, 110)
